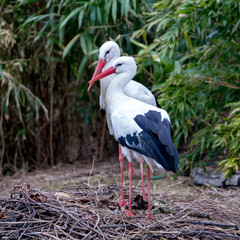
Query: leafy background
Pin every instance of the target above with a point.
(188, 54)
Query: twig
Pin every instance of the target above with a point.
(200, 215)
(65, 234)
(210, 233)
(93, 161)
(23, 222)
(47, 235)
(118, 226)
(222, 225)
(96, 231)
(234, 200)
(193, 232)
(188, 207)
(93, 236)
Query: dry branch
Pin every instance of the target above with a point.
(222, 225)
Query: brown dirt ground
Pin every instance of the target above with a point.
(181, 210)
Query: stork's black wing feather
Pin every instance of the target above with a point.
(154, 141)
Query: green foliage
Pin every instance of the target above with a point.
(227, 136)
(229, 166)
(187, 50)
(20, 94)
(17, 101)
(193, 48)
(46, 50)
(10, 76)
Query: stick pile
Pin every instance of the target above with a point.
(86, 212)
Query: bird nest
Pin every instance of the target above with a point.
(86, 212)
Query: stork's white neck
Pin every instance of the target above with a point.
(105, 82)
(115, 94)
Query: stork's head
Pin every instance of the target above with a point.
(108, 51)
(125, 64)
(122, 65)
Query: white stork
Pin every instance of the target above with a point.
(140, 127)
(108, 53)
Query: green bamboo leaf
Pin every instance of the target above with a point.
(16, 97)
(155, 87)
(107, 7)
(236, 26)
(99, 15)
(39, 102)
(61, 35)
(156, 177)
(80, 18)
(22, 2)
(22, 96)
(122, 7)
(185, 132)
(139, 44)
(171, 51)
(202, 144)
(69, 46)
(134, 4)
(69, 16)
(83, 42)
(177, 139)
(21, 132)
(1, 72)
(137, 33)
(41, 32)
(163, 52)
(93, 15)
(5, 109)
(38, 18)
(126, 6)
(7, 96)
(177, 67)
(188, 41)
(82, 66)
(168, 64)
(114, 10)
(157, 71)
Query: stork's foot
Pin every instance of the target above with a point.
(150, 216)
(130, 214)
(144, 197)
(122, 203)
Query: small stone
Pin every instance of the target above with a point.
(216, 179)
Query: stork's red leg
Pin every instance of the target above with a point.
(141, 169)
(130, 214)
(121, 158)
(148, 182)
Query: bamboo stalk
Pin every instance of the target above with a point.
(3, 142)
(51, 114)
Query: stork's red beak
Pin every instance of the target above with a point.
(99, 67)
(104, 74)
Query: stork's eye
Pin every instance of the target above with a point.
(119, 64)
(107, 52)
